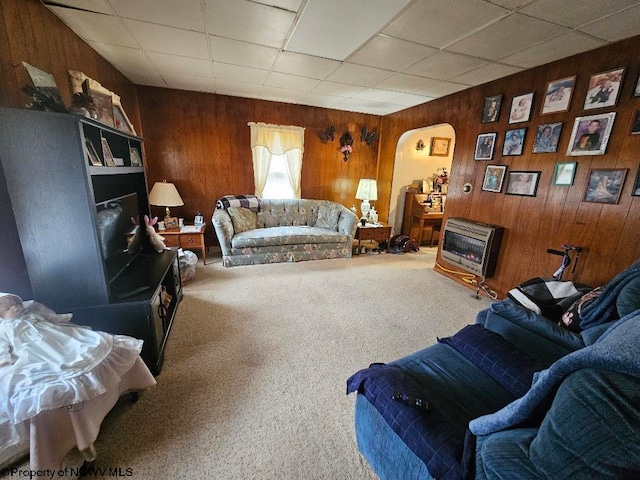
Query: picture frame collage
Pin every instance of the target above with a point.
(589, 136)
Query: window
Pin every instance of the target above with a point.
(278, 185)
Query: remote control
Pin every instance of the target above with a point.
(410, 400)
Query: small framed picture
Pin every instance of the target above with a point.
(635, 126)
(103, 103)
(171, 222)
(564, 173)
(134, 157)
(604, 185)
(636, 91)
(547, 138)
(440, 146)
(558, 95)
(603, 89)
(513, 141)
(493, 178)
(636, 186)
(484, 146)
(521, 108)
(491, 110)
(106, 153)
(523, 183)
(121, 121)
(590, 134)
(45, 90)
(92, 154)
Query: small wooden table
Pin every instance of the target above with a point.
(187, 237)
(379, 233)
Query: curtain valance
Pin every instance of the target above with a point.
(277, 139)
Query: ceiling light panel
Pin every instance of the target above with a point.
(249, 21)
(336, 28)
(185, 14)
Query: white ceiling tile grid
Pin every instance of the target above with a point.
(369, 56)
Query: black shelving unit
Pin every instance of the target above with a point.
(53, 190)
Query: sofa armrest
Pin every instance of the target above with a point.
(223, 227)
(347, 223)
(533, 333)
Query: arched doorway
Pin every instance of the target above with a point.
(412, 164)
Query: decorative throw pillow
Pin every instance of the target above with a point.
(629, 298)
(328, 217)
(243, 219)
(571, 317)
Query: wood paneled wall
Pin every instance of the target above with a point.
(608, 233)
(31, 33)
(201, 142)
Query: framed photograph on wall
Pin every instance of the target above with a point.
(513, 141)
(564, 173)
(521, 108)
(603, 89)
(493, 178)
(590, 134)
(484, 146)
(547, 138)
(604, 185)
(635, 126)
(636, 186)
(522, 183)
(491, 110)
(440, 147)
(557, 95)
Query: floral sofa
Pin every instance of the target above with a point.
(272, 231)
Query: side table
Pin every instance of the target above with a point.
(187, 237)
(380, 233)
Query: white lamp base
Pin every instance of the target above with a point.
(365, 207)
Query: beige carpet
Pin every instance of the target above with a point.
(253, 384)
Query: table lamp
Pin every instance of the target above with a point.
(164, 194)
(367, 190)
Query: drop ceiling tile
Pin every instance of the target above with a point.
(237, 73)
(363, 106)
(436, 23)
(338, 89)
(616, 27)
(144, 77)
(305, 65)
(391, 53)
(236, 88)
(486, 73)
(410, 100)
(321, 100)
(554, 49)
(175, 41)
(132, 63)
(376, 95)
(276, 94)
(176, 64)
(291, 5)
(402, 82)
(292, 82)
(236, 52)
(96, 27)
(507, 36)
(442, 89)
(185, 14)
(358, 74)
(445, 65)
(190, 82)
(335, 28)
(249, 21)
(511, 4)
(99, 6)
(572, 13)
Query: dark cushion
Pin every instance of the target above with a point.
(629, 298)
(511, 367)
(571, 317)
(592, 428)
(505, 455)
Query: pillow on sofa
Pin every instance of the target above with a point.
(571, 318)
(328, 217)
(511, 367)
(243, 219)
(629, 298)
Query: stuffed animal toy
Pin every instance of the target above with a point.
(157, 240)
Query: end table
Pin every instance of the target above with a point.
(187, 237)
(379, 232)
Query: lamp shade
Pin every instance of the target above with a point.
(367, 189)
(164, 194)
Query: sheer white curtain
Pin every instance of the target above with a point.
(268, 140)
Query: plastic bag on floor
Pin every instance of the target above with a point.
(187, 260)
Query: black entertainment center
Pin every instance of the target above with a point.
(80, 226)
